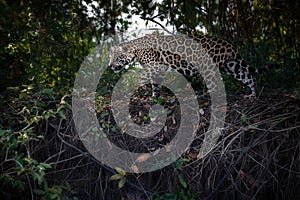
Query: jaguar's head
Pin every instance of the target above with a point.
(119, 57)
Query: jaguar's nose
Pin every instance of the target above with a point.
(115, 68)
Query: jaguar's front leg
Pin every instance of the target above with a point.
(156, 89)
(154, 76)
(152, 79)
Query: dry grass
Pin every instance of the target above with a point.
(257, 157)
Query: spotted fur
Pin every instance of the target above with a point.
(224, 55)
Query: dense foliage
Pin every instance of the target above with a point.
(43, 44)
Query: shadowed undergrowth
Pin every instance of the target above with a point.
(257, 156)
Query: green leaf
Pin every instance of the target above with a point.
(61, 114)
(38, 192)
(121, 183)
(120, 171)
(4, 132)
(19, 184)
(172, 99)
(45, 165)
(160, 100)
(39, 177)
(182, 181)
(184, 160)
(53, 190)
(116, 177)
(244, 117)
(35, 119)
(104, 114)
(48, 91)
(29, 160)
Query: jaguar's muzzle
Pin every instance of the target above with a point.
(115, 68)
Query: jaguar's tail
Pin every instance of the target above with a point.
(264, 69)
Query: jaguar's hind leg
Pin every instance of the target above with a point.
(241, 74)
(250, 81)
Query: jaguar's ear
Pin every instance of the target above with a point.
(118, 48)
(121, 49)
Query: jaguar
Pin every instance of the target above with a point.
(180, 53)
